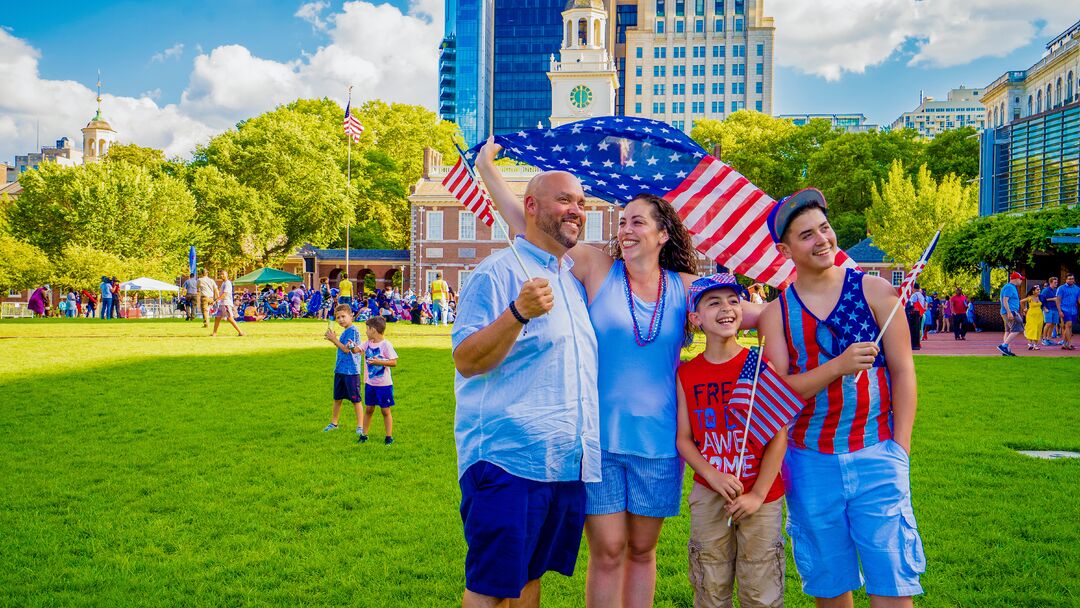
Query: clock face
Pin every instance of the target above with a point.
(581, 96)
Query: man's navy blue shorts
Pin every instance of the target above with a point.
(382, 396)
(517, 529)
(347, 386)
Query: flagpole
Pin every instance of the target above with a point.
(348, 190)
(892, 314)
(495, 218)
(750, 412)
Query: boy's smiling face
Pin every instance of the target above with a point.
(809, 240)
(718, 313)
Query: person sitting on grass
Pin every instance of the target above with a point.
(347, 368)
(252, 314)
(379, 357)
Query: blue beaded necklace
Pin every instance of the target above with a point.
(658, 312)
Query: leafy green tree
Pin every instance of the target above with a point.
(847, 167)
(955, 151)
(1008, 241)
(236, 222)
(850, 228)
(22, 266)
(117, 207)
(907, 212)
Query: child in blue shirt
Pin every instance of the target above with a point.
(347, 368)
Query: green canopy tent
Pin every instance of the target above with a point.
(263, 276)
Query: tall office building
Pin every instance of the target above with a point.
(683, 60)
(493, 64)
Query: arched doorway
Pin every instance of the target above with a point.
(393, 277)
(335, 277)
(365, 281)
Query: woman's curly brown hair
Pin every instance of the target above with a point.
(677, 254)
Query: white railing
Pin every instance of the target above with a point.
(508, 171)
(14, 310)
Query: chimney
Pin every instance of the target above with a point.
(716, 150)
(432, 159)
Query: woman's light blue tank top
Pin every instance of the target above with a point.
(637, 383)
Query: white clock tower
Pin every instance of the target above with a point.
(584, 80)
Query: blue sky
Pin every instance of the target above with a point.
(177, 72)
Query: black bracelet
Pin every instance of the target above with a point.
(517, 315)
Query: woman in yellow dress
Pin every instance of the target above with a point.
(1033, 320)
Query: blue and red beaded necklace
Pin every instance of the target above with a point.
(658, 312)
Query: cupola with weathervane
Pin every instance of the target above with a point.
(98, 134)
(583, 79)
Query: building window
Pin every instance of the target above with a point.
(466, 226)
(718, 107)
(677, 70)
(13, 293)
(718, 24)
(759, 69)
(698, 88)
(594, 226)
(638, 52)
(897, 277)
(660, 10)
(699, 7)
(740, 7)
(658, 89)
(697, 107)
(463, 278)
(498, 232)
(434, 225)
(699, 26)
(679, 124)
(873, 273)
(637, 89)
(737, 105)
(738, 69)
(738, 24)
(660, 27)
(759, 88)
(718, 7)
(678, 52)
(717, 88)
(680, 8)
(434, 252)
(757, 106)
(738, 50)
(637, 108)
(658, 108)
(660, 52)
(761, 50)
(659, 71)
(637, 71)
(680, 26)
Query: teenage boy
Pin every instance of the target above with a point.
(847, 467)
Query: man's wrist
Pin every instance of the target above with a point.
(517, 315)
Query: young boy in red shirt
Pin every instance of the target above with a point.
(751, 548)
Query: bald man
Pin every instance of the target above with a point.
(527, 408)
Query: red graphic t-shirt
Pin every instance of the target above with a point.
(708, 387)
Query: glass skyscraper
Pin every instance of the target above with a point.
(465, 67)
(493, 64)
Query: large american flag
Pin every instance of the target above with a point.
(619, 157)
(908, 286)
(462, 184)
(775, 403)
(353, 128)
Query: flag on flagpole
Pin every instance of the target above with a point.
(775, 403)
(353, 128)
(619, 157)
(463, 185)
(908, 286)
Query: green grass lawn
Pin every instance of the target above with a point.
(144, 463)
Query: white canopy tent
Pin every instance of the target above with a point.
(148, 284)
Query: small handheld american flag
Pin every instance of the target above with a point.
(352, 126)
(462, 184)
(774, 404)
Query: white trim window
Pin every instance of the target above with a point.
(497, 232)
(594, 226)
(463, 277)
(873, 273)
(466, 226)
(897, 277)
(434, 225)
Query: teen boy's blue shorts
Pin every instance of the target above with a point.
(382, 396)
(847, 509)
(517, 529)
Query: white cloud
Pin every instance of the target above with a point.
(385, 53)
(832, 37)
(173, 52)
(312, 13)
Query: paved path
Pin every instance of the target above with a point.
(985, 344)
